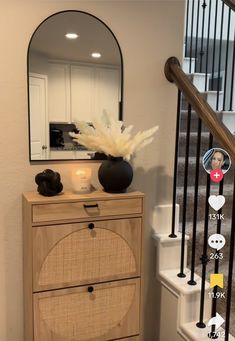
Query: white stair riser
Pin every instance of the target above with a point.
(161, 219)
(211, 98)
(186, 65)
(190, 307)
(169, 254)
(228, 119)
(199, 80)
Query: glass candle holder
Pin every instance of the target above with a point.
(81, 180)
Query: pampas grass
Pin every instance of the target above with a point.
(110, 137)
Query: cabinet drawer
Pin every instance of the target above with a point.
(74, 254)
(110, 311)
(80, 210)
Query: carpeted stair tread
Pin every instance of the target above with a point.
(204, 146)
(212, 228)
(227, 208)
(214, 189)
(194, 120)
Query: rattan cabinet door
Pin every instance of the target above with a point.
(76, 254)
(89, 313)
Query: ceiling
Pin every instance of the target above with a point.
(49, 39)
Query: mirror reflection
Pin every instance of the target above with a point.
(74, 73)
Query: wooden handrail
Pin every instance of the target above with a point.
(175, 74)
(230, 3)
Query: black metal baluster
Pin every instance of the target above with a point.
(199, 129)
(213, 335)
(186, 30)
(230, 271)
(226, 58)
(173, 235)
(204, 5)
(204, 257)
(197, 27)
(220, 50)
(207, 44)
(191, 38)
(214, 42)
(232, 82)
(184, 208)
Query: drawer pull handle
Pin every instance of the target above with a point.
(90, 206)
(90, 289)
(91, 226)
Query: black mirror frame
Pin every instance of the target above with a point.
(98, 156)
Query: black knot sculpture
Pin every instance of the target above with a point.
(48, 183)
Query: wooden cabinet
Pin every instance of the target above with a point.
(83, 266)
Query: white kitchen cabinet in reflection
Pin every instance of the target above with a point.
(93, 90)
(107, 91)
(59, 92)
(82, 92)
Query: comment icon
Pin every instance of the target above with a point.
(216, 241)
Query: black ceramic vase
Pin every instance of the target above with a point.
(115, 174)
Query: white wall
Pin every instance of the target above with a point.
(148, 32)
(168, 316)
(38, 63)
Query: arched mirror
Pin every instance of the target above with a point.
(75, 72)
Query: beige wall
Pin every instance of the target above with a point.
(148, 32)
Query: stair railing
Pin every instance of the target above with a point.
(175, 74)
(230, 3)
(224, 137)
(208, 22)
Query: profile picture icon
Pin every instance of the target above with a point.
(216, 158)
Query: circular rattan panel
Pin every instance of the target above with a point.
(85, 255)
(83, 316)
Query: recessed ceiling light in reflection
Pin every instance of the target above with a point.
(71, 35)
(96, 55)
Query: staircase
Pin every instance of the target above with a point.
(187, 297)
(199, 81)
(208, 77)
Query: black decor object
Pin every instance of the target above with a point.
(48, 182)
(56, 137)
(115, 175)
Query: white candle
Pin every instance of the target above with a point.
(81, 180)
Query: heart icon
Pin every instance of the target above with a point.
(216, 201)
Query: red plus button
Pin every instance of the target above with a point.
(216, 175)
